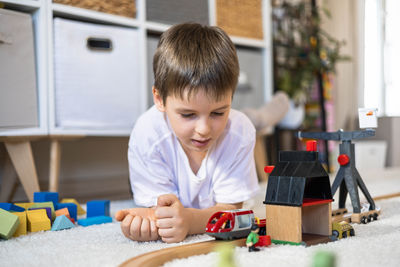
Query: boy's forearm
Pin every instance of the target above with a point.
(200, 217)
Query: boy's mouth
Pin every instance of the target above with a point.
(200, 143)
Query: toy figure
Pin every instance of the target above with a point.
(252, 238)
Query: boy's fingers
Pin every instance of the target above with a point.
(135, 228)
(163, 212)
(153, 230)
(126, 225)
(142, 212)
(121, 214)
(165, 223)
(166, 233)
(145, 229)
(166, 200)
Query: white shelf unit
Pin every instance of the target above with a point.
(38, 12)
(44, 11)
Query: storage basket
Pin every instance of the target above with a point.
(242, 18)
(126, 8)
(96, 76)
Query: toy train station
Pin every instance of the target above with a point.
(298, 199)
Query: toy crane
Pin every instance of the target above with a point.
(348, 177)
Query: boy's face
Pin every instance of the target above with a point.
(198, 121)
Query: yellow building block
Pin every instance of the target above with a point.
(81, 211)
(25, 205)
(38, 220)
(22, 228)
(48, 204)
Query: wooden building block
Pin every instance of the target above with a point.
(10, 207)
(48, 204)
(47, 209)
(97, 208)
(94, 220)
(284, 223)
(63, 211)
(45, 197)
(8, 224)
(81, 211)
(25, 205)
(61, 223)
(317, 219)
(38, 220)
(22, 227)
(72, 209)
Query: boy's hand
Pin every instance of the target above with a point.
(138, 224)
(173, 220)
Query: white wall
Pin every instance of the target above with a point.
(343, 25)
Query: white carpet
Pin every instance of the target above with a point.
(377, 243)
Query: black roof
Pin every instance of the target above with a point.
(295, 177)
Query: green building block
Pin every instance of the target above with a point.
(8, 224)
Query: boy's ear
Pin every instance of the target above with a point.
(158, 101)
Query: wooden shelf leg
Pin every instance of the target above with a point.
(22, 158)
(54, 171)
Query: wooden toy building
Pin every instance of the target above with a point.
(298, 199)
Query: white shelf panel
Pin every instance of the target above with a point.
(90, 132)
(91, 15)
(23, 132)
(156, 26)
(160, 27)
(249, 42)
(22, 3)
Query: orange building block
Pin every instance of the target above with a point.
(38, 220)
(63, 211)
(22, 228)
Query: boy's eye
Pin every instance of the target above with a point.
(218, 113)
(187, 115)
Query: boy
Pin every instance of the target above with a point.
(190, 155)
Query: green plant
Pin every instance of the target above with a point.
(301, 48)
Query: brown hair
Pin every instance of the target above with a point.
(191, 57)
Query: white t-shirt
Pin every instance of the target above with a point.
(158, 164)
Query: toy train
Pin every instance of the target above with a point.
(233, 224)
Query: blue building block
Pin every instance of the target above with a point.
(61, 223)
(95, 220)
(45, 197)
(96, 208)
(72, 209)
(11, 207)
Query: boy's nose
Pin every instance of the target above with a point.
(203, 127)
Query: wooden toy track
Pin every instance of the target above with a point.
(159, 257)
(363, 217)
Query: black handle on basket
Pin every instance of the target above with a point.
(95, 43)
